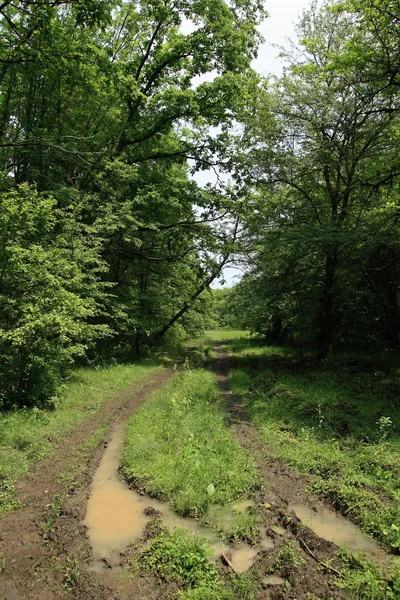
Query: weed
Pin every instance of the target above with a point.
(385, 425)
(289, 555)
(200, 593)
(237, 587)
(181, 557)
(2, 562)
(364, 581)
(70, 570)
(243, 586)
(8, 496)
(53, 510)
(234, 526)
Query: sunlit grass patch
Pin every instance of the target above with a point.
(181, 557)
(222, 335)
(184, 559)
(179, 446)
(364, 581)
(27, 435)
(235, 526)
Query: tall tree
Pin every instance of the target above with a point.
(323, 145)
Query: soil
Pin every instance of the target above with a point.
(54, 562)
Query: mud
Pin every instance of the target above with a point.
(34, 562)
(117, 516)
(332, 527)
(39, 566)
(281, 487)
(273, 580)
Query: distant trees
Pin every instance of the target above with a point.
(221, 314)
(322, 232)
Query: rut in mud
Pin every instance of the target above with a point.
(292, 515)
(118, 516)
(35, 561)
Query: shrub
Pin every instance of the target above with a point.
(49, 291)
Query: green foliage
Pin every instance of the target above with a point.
(237, 587)
(47, 297)
(178, 445)
(185, 559)
(289, 555)
(100, 224)
(70, 570)
(321, 227)
(364, 581)
(220, 313)
(234, 525)
(181, 557)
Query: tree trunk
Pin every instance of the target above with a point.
(328, 317)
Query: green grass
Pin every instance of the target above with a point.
(27, 435)
(222, 335)
(180, 557)
(204, 353)
(179, 446)
(339, 421)
(233, 525)
(364, 581)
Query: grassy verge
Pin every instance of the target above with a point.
(178, 446)
(204, 352)
(338, 421)
(27, 435)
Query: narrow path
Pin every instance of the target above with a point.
(284, 486)
(36, 562)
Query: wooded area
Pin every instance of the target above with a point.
(107, 108)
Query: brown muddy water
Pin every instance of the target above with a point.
(115, 516)
(331, 526)
(273, 580)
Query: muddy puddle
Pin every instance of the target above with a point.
(115, 517)
(331, 526)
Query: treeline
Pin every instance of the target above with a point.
(106, 241)
(322, 161)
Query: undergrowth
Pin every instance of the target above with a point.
(27, 435)
(183, 558)
(180, 557)
(364, 581)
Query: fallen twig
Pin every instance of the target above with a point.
(311, 553)
(228, 562)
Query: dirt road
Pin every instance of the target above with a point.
(44, 544)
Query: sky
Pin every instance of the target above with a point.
(279, 26)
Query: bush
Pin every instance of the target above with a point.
(49, 290)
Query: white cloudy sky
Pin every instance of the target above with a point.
(279, 26)
(283, 14)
